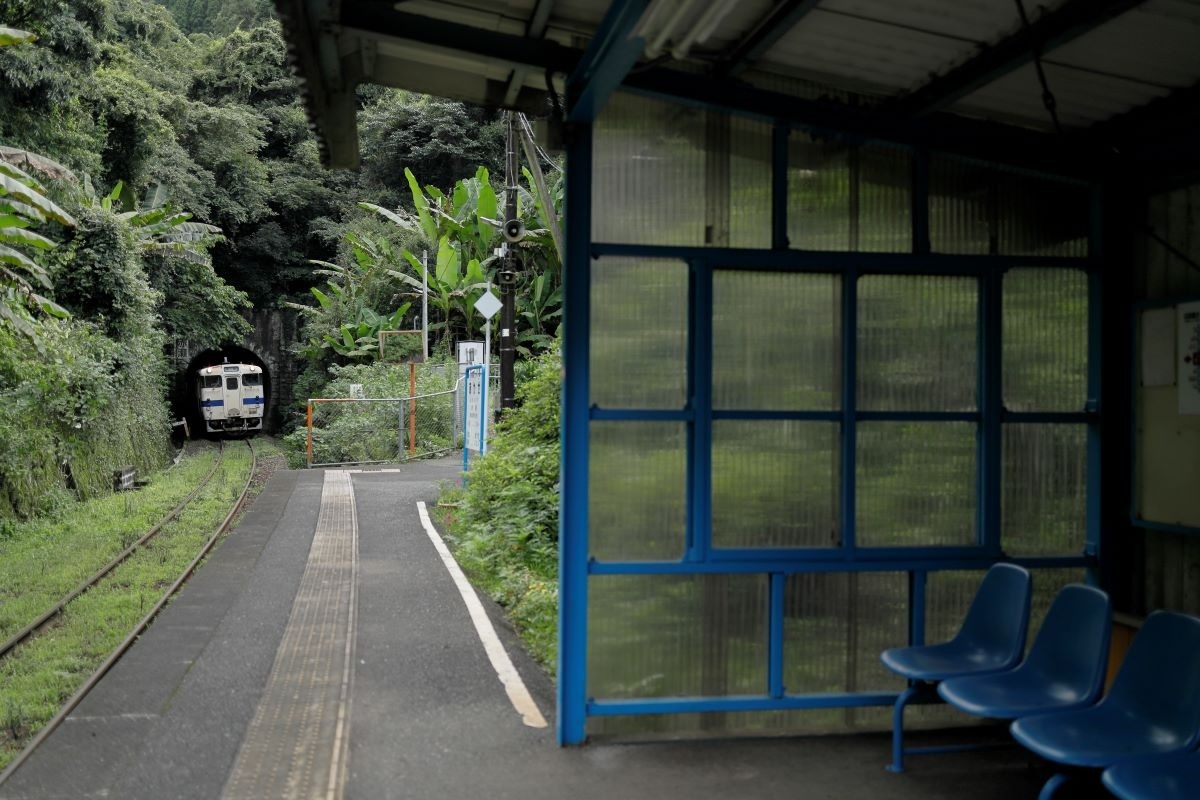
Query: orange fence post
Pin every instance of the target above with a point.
(309, 422)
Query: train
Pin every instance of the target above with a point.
(232, 398)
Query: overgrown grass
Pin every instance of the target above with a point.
(503, 528)
(37, 677)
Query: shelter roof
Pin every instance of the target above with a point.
(953, 74)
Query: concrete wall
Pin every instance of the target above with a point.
(274, 334)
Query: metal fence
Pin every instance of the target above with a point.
(345, 431)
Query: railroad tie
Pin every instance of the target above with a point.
(297, 743)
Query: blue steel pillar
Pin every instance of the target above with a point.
(573, 508)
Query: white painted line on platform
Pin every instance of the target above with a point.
(518, 695)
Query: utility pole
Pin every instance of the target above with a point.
(514, 231)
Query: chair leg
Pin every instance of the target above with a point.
(905, 697)
(1053, 785)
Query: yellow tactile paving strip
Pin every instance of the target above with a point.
(297, 743)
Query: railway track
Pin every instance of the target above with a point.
(46, 617)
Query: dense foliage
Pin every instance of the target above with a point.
(505, 527)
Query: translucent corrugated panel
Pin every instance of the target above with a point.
(917, 343)
(749, 195)
(1042, 217)
(667, 174)
(648, 177)
(676, 635)
(916, 484)
(884, 218)
(776, 341)
(775, 483)
(978, 209)
(962, 203)
(816, 633)
(1044, 490)
(1046, 584)
(639, 333)
(637, 490)
(948, 593)
(818, 194)
(1045, 340)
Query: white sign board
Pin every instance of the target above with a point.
(474, 420)
(356, 391)
(488, 304)
(1189, 358)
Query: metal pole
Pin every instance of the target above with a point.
(508, 274)
(508, 321)
(412, 411)
(487, 368)
(425, 304)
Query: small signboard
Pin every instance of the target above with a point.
(1189, 358)
(356, 391)
(473, 416)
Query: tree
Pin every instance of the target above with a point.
(23, 204)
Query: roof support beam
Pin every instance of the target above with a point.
(769, 30)
(609, 57)
(378, 18)
(534, 30)
(1069, 21)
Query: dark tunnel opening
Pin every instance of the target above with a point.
(184, 401)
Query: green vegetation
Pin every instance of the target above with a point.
(503, 528)
(374, 431)
(37, 677)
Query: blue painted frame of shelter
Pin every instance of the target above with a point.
(609, 58)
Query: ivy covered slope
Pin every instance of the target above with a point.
(503, 527)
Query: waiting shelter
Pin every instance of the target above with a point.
(861, 297)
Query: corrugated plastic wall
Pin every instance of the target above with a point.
(1172, 561)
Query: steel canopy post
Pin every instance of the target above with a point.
(573, 509)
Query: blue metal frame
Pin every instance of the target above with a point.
(699, 556)
(609, 57)
(573, 500)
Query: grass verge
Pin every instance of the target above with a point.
(37, 677)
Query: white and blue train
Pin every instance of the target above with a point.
(231, 398)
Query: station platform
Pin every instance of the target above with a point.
(325, 650)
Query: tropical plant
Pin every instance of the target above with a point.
(346, 321)
(23, 204)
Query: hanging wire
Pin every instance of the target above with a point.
(1047, 96)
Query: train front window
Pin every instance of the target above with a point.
(211, 381)
(252, 379)
(231, 382)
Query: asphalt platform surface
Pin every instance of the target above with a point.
(428, 717)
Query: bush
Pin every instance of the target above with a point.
(504, 530)
(370, 431)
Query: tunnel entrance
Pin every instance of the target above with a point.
(184, 402)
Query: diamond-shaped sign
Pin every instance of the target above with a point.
(488, 304)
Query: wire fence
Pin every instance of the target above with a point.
(345, 431)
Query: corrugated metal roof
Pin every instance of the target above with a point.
(1121, 65)
(1082, 98)
(868, 52)
(909, 56)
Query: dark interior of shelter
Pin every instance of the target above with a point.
(862, 298)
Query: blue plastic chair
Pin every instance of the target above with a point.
(1155, 778)
(1064, 670)
(991, 639)
(1152, 708)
